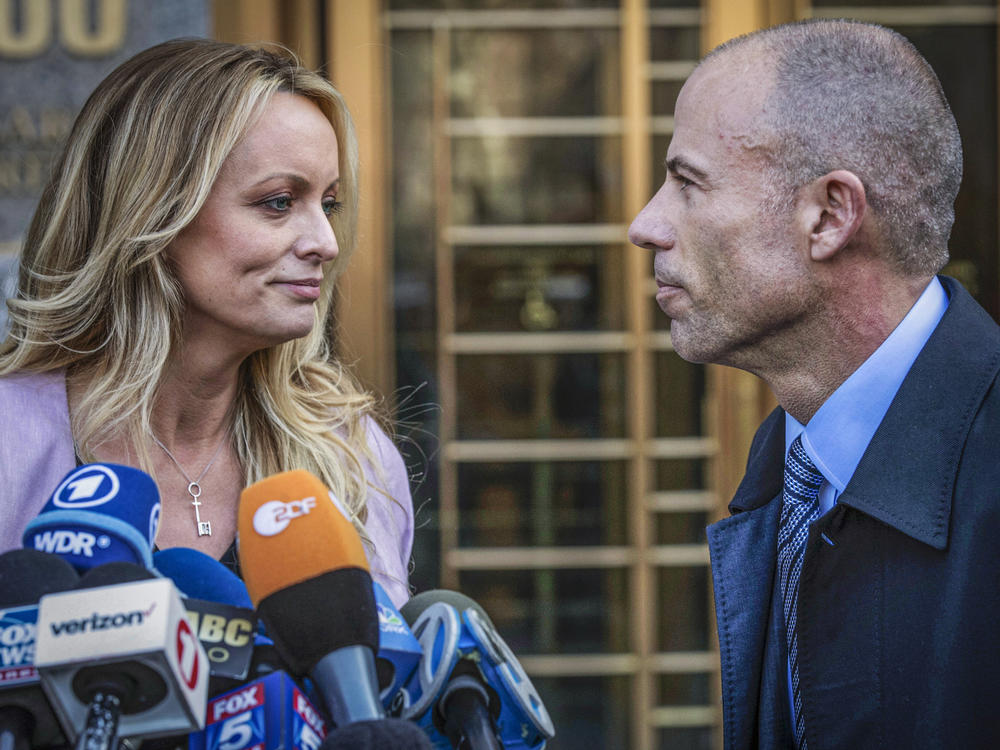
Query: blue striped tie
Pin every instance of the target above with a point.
(799, 508)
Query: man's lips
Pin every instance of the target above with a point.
(667, 290)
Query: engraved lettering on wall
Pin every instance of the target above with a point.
(83, 27)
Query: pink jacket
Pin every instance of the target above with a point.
(36, 452)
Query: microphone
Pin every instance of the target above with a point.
(117, 656)
(219, 609)
(306, 571)
(269, 712)
(26, 718)
(26, 575)
(201, 576)
(399, 651)
(381, 734)
(99, 513)
(469, 686)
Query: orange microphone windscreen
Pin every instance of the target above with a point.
(291, 530)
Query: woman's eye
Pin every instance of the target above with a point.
(332, 206)
(278, 203)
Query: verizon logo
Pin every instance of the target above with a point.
(101, 622)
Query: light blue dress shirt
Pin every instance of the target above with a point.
(838, 434)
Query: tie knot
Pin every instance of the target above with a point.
(802, 478)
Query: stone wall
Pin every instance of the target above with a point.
(52, 55)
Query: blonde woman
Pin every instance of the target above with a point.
(173, 309)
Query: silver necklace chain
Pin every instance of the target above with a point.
(194, 486)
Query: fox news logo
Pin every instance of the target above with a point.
(17, 640)
(87, 487)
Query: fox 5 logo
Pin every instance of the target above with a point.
(244, 731)
(306, 738)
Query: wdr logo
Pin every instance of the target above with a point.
(87, 487)
(70, 542)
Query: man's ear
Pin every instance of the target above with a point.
(832, 209)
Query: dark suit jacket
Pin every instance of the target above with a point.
(899, 618)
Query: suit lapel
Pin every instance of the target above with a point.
(743, 561)
(742, 549)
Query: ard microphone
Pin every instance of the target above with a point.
(469, 686)
(99, 513)
(118, 656)
(26, 718)
(219, 610)
(307, 573)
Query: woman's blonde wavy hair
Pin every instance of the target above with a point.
(96, 294)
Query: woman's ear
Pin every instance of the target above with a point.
(832, 210)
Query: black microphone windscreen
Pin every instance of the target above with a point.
(415, 606)
(26, 718)
(111, 573)
(26, 575)
(308, 620)
(377, 734)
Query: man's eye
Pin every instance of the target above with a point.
(683, 181)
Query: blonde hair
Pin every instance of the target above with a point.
(97, 296)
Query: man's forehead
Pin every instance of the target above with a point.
(723, 105)
(733, 85)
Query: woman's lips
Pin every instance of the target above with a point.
(304, 288)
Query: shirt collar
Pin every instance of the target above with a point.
(839, 433)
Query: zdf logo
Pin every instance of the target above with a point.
(273, 517)
(87, 487)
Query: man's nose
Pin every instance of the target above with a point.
(651, 229)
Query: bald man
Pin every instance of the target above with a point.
(809, 198)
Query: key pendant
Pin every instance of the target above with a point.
(204, 527)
